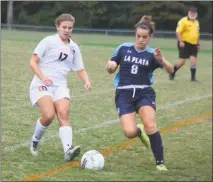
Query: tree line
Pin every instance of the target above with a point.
(108, 14)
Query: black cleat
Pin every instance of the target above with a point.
(194, 80)
(171, 76)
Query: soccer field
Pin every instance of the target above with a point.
(184, 117)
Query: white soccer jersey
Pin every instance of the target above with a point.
(57, 59)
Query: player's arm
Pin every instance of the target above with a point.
(78, 66)
(83, 76)
(179, 30)
(35, 60)
(34, 65)
(166, 65)
(198, 44)
(178, 34)
(111, 66)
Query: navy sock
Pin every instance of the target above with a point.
(139, 132)
(157, 147)
(175, 69)
(193, 72)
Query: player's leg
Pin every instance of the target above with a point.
(177, 66)
(47, 111)
(183, 54)
(41, 97)
(126, 109)
(193, 67)
(193, 62)
(128, 124)
(146, 107)
(131, 130)
(147, 114)
(62, 107)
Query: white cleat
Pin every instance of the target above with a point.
(71, 153)
(34, 148)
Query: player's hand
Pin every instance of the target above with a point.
(111, 65)
(47, 81)
(198, 47)
(158, 55)
(181, 44)
(88, 86)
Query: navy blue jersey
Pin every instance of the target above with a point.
(136, 66)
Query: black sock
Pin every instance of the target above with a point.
(193, 73)
(157, 147)
(175, 69)
(139, 132)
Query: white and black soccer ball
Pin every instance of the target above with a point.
(92, 160)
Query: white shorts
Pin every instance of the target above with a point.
(55, 92)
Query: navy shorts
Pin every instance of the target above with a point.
(126, 103)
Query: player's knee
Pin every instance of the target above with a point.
(130, 133)
(150, 127)
(63, 114)
(48, 116)
(181, 63)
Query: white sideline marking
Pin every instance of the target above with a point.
(91, 93)
(106, 123)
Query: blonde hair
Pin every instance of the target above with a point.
(146, 23)
(64, 17)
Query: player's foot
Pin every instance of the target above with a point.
(194, 80)
(71, 153)
(171, 76)
(144, 137)
(34, 148)
(161, 167)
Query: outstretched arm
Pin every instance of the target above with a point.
(167, 65)
(83, 75)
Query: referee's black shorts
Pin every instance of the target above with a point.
(187, 51)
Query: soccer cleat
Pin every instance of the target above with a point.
(171, 76)
(144, 137)
(34, 148)
(161, 167)
(194, 80)
(71, 153)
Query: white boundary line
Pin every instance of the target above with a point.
(106, 123)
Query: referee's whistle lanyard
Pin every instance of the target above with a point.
(134, 87)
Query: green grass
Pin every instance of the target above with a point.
(188, 151)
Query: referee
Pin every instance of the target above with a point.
(187, 32)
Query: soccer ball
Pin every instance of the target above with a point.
(92, 160)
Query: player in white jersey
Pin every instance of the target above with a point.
(51, 61)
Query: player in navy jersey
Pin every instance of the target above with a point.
(134, 93)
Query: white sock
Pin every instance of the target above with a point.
(65, 134)
(39, 131)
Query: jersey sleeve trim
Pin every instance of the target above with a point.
(127, 44)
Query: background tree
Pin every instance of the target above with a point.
(108, 14)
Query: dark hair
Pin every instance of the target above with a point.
(146, 23)
(64, 17)
(193, 9)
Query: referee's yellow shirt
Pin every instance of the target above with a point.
(189, 30)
